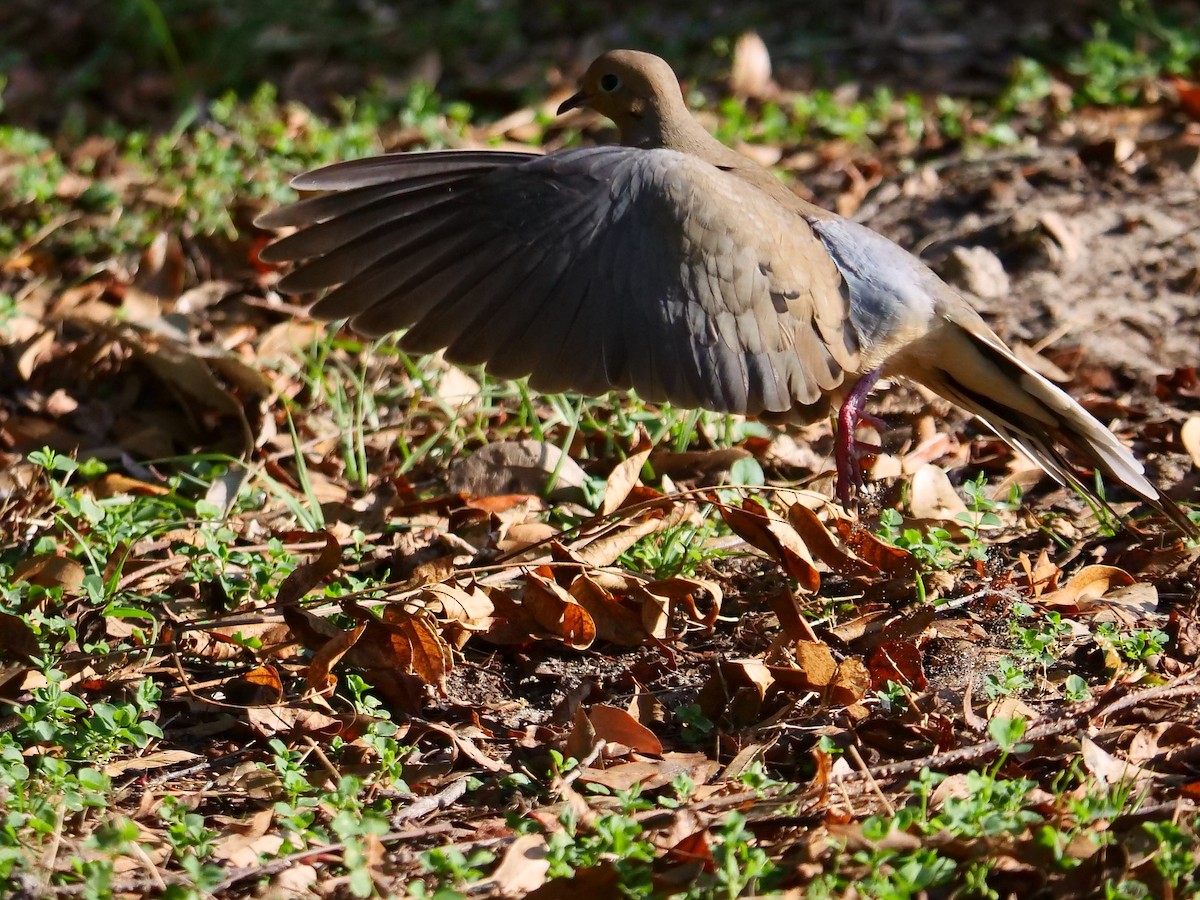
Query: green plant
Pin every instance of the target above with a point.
(1135, 46)
(677, 550)
(932, 548)
(756, 777)
(741, 866)
(1136, 646)
(696, 727)
(1008, 679)
(1176, 857)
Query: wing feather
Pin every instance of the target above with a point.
(586, 269)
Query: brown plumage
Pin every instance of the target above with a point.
(672, 265)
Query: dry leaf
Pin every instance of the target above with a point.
(754, 524)
(892, 561)
(307, 576)
(429, 657)
(625, 474)
(516, 467)
(932, 496)
(815, 660)
(50, 571)
(1111, 769)
(750, 74)
(557, 612)
(1086, 585)
(615, 621)
(523, 867)
(261, 686)
(319, 675)
(17, 640)
(1189, 435)
(898, 661)
(155, 760)
(617, 726)
(819, 541)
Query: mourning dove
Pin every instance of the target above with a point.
(672, 265)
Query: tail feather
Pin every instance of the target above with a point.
(976, 371)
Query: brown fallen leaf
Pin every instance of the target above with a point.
(268, 721)
(582, 737)
(898, 661)
(619, 727)
(1086, 585)
(1041, 575)
(307, 576)
(932, 496)
(113, 484)
(750, 73)
(261, 686)
(850, 684)
(624, 476)
(819, 541)
(557, 612)
(512, 467)
(758, 527)
(815, 660)
(600, 882)
(892, 561)
(318, 676)
(429, 656)
(50, 571)
(1189, 436)
(18, 643)
(523, 867)
(1188, 93)
(156, 760)
(1111, 769)
(615, 621)
(603, 550)
(787, 610)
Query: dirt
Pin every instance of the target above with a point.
(1098, 259)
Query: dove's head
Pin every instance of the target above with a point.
(638, 91)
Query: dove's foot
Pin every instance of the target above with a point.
(848, 450)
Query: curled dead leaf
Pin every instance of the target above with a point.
(557, 612)
(1086, 585)
(616, 726)
(429, 656)
(819, 541)
(1189, 435)
(308, 575)
(615, 621)
(319, 675)
(892, 561)
(624, 476)
(758, 527)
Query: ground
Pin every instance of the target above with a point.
(264, 631)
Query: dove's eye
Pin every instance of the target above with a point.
(609, 82)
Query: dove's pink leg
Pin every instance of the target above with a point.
(846, 447)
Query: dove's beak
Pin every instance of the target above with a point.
(573, 102)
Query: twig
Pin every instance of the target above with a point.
(443, 799)
(1068, 719)
(593, 754)
(279, 865)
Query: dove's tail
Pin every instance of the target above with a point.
(975, 370)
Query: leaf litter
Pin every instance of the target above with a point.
(538, 652)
